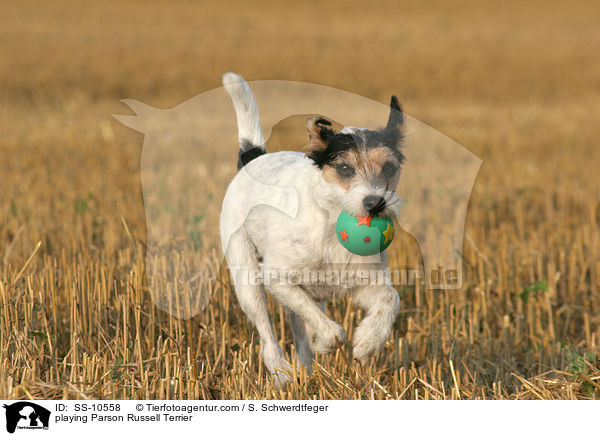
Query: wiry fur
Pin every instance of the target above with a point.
(270, 240)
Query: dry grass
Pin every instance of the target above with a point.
(516, 83)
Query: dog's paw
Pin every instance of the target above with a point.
(281, 371)
(282, 376)
(326, 339)
(367, 341)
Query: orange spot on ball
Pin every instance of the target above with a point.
(344, 235)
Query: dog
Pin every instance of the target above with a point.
(355, 170)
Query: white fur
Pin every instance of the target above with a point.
(245, 109)
(269, 239)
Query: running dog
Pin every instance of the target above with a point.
(355, 170)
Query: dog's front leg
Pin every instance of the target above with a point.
(324, 333)
(382, 304)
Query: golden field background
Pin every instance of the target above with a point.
(518, 84)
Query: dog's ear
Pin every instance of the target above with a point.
(396, 114)
(319, 135)
(393, 131)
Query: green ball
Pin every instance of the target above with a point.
(364, 236)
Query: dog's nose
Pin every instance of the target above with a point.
(374, 204)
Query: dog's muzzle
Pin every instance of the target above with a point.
(374, 204)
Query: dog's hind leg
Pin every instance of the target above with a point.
(324, 333)
(301, 332)
(301, 344)
(253, 301)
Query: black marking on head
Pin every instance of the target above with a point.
(337, 143)
(326, 144)
(389, 138)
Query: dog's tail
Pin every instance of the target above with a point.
(252, 143)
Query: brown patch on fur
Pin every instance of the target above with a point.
(331, 176)
(377, 157)
(368, 163)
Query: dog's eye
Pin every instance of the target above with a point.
(389, 169)
(345, 170)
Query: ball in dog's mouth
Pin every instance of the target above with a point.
(364, 235)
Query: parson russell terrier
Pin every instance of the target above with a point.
(355, 170)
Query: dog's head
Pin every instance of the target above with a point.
(361, 166)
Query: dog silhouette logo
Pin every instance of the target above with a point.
(26, 415)
(189, 156)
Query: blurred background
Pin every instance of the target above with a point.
(517, 83)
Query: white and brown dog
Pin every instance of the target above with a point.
(355, 170)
